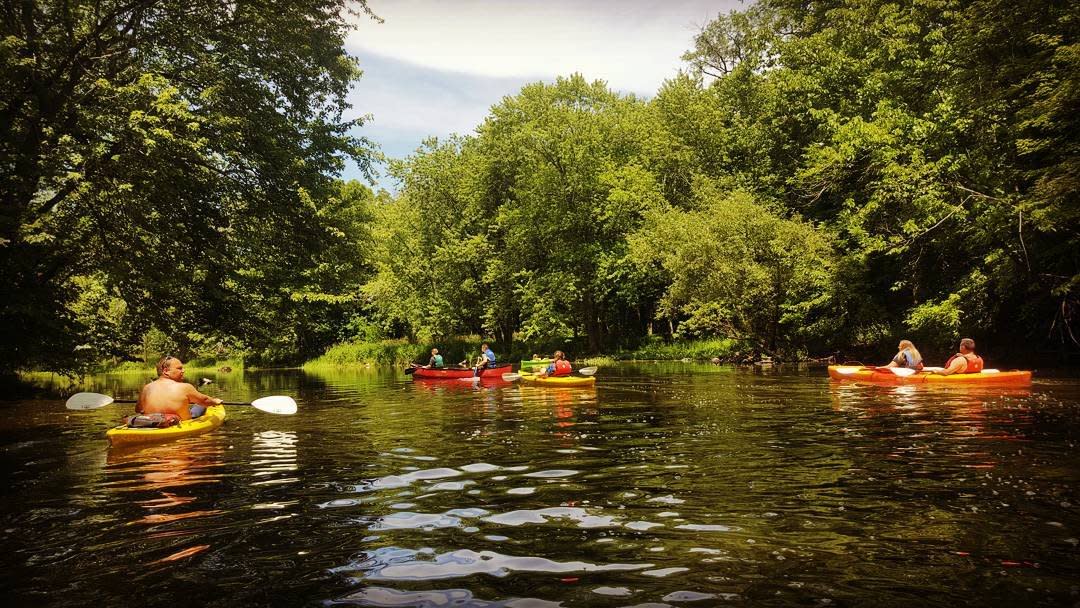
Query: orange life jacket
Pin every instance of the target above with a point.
(974, 363)
(562, 368)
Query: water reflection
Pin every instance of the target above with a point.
(666, 484)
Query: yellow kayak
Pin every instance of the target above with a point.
(126, 436)
(559, 380)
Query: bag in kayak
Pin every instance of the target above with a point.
(152, 421)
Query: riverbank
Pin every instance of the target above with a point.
(401, 352)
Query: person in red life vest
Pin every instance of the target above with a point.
(559, 367)
(963, 362)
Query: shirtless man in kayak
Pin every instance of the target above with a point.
(169, 394)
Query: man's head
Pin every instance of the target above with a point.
(434, 351)
(484, 346)
(170, 367)
(967, 345)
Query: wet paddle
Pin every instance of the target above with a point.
(276, 404)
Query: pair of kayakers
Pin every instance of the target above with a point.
(484, 361)
(169, 394)
(963, 362)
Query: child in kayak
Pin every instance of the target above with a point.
(169, 394)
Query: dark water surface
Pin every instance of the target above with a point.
(667, 484)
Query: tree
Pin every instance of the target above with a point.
(163, 146)
(741, 272)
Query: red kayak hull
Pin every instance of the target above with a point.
(454, 374)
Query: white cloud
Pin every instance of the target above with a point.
(633, 45)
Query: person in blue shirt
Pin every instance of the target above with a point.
(485, 360)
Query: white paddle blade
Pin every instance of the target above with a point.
(587, 371)
(847, 370)
(276, 405)
(511, 377)
(991, 371)
(88, 401)
(903, 372)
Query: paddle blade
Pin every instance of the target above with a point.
(847, 370)
(276, 405)
(511, 377)
(87, 401)
(587, 371)
(409, 370)
(903, 372)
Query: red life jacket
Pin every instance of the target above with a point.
(974, 363)
(562, 368)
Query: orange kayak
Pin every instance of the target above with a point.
(882, 375)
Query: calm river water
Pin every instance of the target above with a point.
(667, 485)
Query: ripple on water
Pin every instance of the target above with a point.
(553, 473)
(397, 564)
(541, 516)
(433, 598)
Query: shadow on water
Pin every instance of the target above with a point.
(666, 484)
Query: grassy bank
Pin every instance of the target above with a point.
(194, 365)
(401, 352)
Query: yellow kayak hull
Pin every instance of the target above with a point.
(123, 436)
(559, 380)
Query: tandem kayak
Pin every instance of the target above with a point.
(877, 375)
(126, 436)
(457, 373)
(559, 380)
(534, 364)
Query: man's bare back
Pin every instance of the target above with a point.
(169, 394)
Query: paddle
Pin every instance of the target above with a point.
(411, 369)
(277, 404)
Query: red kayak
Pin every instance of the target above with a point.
(453, 374)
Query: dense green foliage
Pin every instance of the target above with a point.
(832, 175)
(170, 165)
(829, 175)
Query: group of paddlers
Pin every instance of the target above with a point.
(559, 365)
(963, 362)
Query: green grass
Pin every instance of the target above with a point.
(703, 350)
(401, 352)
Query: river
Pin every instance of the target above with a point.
(673, 484)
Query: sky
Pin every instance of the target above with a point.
(434, 68)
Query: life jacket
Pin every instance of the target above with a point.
(974, 363)
(562, 368)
